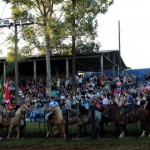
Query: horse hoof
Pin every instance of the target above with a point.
(120, 137)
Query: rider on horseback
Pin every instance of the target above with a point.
(10, 109)
(129, 106)
(147, 103)
(85, 104)
(53, 103)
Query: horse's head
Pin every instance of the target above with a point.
(24, 108)
(54, 109)
(46, 109)
(109, 109)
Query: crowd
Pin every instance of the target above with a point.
(92, 90)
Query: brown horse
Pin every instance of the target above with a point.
(55, 120)
(141, 115)
(17, 121)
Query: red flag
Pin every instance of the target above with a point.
(7, 91)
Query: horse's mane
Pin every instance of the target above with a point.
(55, 108)
(17, 112)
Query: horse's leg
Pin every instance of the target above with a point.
(84, 126)
(63, 132)
(48, 129)
(121, 131)
(18, 132)
(143, 126)
(80, 127)
(58, 129)
(10, 130)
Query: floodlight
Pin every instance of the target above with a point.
(5, 22)
(23, 21)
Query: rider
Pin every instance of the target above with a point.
(85, 104)
(129, 106)
(53, 103)
(105, 100)
(147, 103)
(10, 109)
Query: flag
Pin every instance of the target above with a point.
(1, 89)
(7, 91)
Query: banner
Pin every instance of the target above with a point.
(1, 89)
(7, 91)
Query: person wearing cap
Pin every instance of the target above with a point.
(53, 103)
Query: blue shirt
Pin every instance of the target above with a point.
(53, 103)
(131, 100)
(85, 104)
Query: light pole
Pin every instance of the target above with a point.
(16, 64)
(119, 47)
(15, 24)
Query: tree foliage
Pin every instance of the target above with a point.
(57, 16)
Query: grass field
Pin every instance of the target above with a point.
(35, 140)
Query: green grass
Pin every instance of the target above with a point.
(35, 134)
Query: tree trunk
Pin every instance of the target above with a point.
(73, 50)
(48, 65)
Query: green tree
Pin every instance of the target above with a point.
(56, 22)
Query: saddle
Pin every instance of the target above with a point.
(51, 116)
(71, 113)
(9, 115)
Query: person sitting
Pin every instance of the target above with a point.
(85, 105)
(10, 110)
(53, 103)
(129, 106)
(147, 103)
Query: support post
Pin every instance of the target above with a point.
(4, 74)
(35, 77)
(114, 64)
(16, 65)
(119, 47)
(67, 68)
(93, 134)
(101, 64)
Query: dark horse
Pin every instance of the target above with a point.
(140, 114)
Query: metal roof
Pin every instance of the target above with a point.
(88, 62)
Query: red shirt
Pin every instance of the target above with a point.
(9, 106)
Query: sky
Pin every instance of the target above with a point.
(134, 30)
(134, 17)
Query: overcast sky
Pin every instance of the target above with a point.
(134, 17)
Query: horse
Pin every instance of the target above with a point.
(55, 119)
(140, 114)
(17, 121)
(86, 119)
(5, 116)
